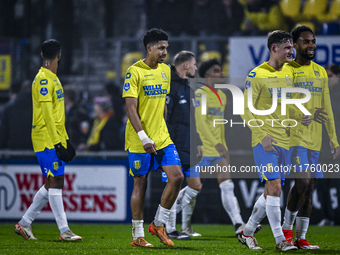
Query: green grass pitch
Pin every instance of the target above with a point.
(116, 239)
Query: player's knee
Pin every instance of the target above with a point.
(177, 178)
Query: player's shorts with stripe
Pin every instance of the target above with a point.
(50, 164)
(143, 163)
(271, 165)
(304, 159)
(187, 172)
(209, 161)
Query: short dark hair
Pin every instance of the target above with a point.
(183, 56)
(154, 35)
(206, 65)
(50, 48)
(277, 37)
(296, 32)
(334, 68)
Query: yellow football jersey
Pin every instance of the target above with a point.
(150, 87)
(48, 130)
(210, 135)
(314, 78)
(263, 79)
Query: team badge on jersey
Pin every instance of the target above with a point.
(317, 74)
(270, 167)
(55, 165)
(287, 78)
(137, 164)
(127, 86)
(297, 160)
(44, 91)
(164, 76)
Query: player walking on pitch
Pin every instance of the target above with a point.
(147, 140)
(306, 142)
(50, 143)
(270, 142)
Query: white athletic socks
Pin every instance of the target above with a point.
(302, 224)
(289, 219)
(257, 215)
(56, 203)
(178, 201)
(171, 223)
(137, 229)
(162, 216)
(274, 217)
(229, 201)
(39, 201)
(188, 205)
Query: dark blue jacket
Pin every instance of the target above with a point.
(181, 118)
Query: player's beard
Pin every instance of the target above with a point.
(306, 56)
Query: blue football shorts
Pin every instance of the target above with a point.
(304, 159)
(143, 163)
(50, 164)
(187, 172)
(271, 165)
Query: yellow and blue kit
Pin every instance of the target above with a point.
(48, 124)
(306, 141)
(150, 87)
(262, 80)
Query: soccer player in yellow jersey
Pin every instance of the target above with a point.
(147, 140)
(271, 141)
(305, 142)
(50, 143)
(214, 146)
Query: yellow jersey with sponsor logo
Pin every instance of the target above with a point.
(210, 135)
(312, 77)
(48, 129)
(263, 80)
(150, 87)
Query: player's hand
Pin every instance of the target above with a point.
(199, 153)
(319, 115)
(267, 143)
(306, 120)
(62, 152)
(149, 145)
(221, 150)
(70, 150)
(337, 150)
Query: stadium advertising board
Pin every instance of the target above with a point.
(246, 53)
(90, 193)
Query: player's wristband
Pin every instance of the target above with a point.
(142, 135)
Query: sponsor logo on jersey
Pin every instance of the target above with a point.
(252, 74)
(288, 95)
(128, 76)
(60, 93)
(248, 84)
(309, 85)
(127, 86)
(43, 82)
(152, 90)
(44, 91)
